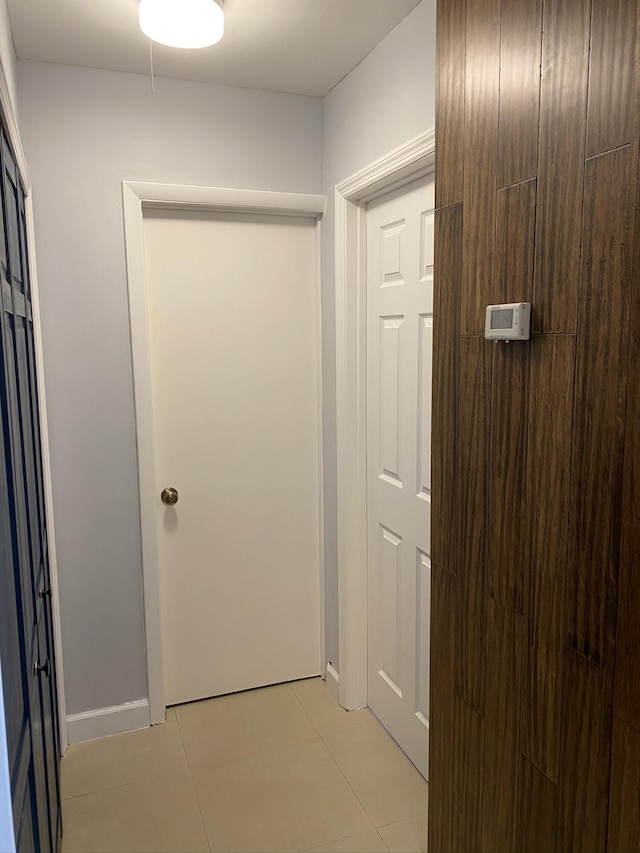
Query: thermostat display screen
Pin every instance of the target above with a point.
(502, 319)
(508, 321)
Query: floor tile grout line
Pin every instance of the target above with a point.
(193, 781)
(299, 701)
(204, 824)
(337, 730)
(355, 794)
(184, 746)
(347, 838)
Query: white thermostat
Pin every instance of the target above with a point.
(508, 322)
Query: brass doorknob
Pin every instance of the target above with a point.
(169, 496)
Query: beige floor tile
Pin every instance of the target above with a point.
(229, 728)
(121, 759)
(385, 781)
(365, 842)
(326, 714)
(160, 815)
(406, 836)
(291, 798)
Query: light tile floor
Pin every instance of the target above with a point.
(279, 769)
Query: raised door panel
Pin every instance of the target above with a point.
(400, 263)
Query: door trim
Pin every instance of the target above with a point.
(136, 197)
(13, 133)
(404, 164)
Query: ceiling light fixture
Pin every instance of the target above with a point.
(182, 23)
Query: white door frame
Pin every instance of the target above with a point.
(13, 134)
(136, 196)
(410, 161)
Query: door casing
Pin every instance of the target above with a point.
(137, 196)
(399, 167)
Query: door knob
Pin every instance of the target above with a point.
(45, 667)
(169, 496)
(43, 593)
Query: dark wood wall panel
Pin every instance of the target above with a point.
(600, 402)
(480, 159)
(549, 432)
(441, 742)
(446, 329)
(507, 470)
(536, 446)
(563, 114)
(450, 76)
(501, 752)
(515, 233)
(468, 735)
(519, 91)
(538, 811)
(586, 736)
(473, 458)
(627, 664)
(610, 121)
(624, 814)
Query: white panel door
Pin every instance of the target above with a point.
(399, 351)
(232, 322)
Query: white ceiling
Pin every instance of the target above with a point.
(299, 46)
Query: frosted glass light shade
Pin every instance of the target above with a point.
(182, 23)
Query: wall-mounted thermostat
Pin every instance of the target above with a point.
(508, 322)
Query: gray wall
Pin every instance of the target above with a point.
(83, 132)
(385, 101)
(7, 54)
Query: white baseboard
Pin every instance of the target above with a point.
(108, 721)
(332, 678)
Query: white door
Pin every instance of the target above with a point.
(232, 323)
(399, 351)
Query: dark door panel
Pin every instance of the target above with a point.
(26, 630)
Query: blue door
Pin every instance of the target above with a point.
(26, 640)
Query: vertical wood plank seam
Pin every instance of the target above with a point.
(570, 508)
(633, 300)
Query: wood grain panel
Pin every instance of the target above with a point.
(624, 815)
(482, 83)
(519, 91)
(507, 505)
(547, 502)
(441, 714)
(473, 458)
(610, 121)
(538, 811)
(446, 326)
(515, 227)
(627, 694)
(586, 736)
(450, 76)
(515, 233)
(563, 110)
(600, 400)
(501, 752)
(467, 778)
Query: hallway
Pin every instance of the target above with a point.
(282, 768)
